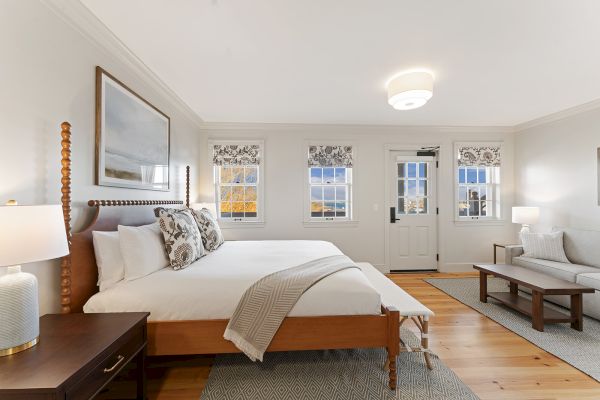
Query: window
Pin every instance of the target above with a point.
(413, 188)
(330, 183)
(478, 182)
(238, 183)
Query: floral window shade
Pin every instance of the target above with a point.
(479, 156)
(233, 154)
(330, 156)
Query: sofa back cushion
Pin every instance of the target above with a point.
(581, 246)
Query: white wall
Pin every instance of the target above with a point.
(460, 245)
(47, 76)
(556, 168)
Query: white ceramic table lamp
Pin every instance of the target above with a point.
(27, 234)
(525, 216)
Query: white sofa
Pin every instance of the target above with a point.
(583, 250)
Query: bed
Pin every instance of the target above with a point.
(342, 311)
(218, 280)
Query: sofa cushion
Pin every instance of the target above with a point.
(581, 246)
(590, 280)
(568, 272)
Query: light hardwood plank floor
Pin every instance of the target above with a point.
(495, 362)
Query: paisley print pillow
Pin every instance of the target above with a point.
(183, 242)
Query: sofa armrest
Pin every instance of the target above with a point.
(512, 251)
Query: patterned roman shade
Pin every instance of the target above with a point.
(329, 156)
(479, 156)
(233, 154)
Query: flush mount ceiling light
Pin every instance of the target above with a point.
(410, 90)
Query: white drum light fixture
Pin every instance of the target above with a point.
(410, 90)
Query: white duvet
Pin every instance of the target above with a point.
(211, 287)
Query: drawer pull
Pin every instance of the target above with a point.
(120, 359)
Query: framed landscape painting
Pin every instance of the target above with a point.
(132, 138)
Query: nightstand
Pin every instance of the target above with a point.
(77, 356)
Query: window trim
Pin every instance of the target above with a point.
(498, 201)
(259, 220)
(309, 221)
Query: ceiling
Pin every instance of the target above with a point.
(496, 63)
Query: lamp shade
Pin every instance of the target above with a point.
(525, 215)
(31, 233)
(212, 207)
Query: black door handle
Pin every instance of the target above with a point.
(393, 218)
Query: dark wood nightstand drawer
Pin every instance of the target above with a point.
(111, 362)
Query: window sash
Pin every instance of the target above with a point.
(227, 212)
(477, 181)
(337, 205)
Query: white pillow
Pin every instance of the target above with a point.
(111, 268)
(143, 250)
(546, 246)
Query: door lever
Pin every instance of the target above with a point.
(393, 218)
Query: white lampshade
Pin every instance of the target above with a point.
(28, 234)
(32, 233)
(525, 215)
(212, 207)
(410, 90)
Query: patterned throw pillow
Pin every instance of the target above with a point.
(212, 237)
(546, 246)
(183, 242)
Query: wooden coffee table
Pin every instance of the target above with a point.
(540, 285)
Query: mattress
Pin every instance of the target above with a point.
(211, 287)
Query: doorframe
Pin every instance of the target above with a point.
(388, 148)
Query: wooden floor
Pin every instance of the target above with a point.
(494, 362)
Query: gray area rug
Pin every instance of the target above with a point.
(332, 375)
(580, 349)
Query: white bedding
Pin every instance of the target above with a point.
(211, 287)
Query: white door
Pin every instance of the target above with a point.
(412, 209)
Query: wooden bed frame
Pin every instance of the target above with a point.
(79, 275)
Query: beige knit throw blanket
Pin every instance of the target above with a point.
(268, 301)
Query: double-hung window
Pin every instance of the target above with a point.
(238, 181)
(478, 181)
(329, 177)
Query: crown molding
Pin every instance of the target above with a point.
(349, 128)
(557, 116)
(80, 18)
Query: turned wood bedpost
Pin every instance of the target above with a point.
(187, 186)
(65, 264)
(393, 342)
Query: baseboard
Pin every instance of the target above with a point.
(456, 267)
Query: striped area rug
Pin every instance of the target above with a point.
(332, 375)
(580, 349)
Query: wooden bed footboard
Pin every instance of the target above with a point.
(295, 333)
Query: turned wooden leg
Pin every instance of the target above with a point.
(577, 311)
(537, 311)
(393, 343)
(483, 286)
(425, 341)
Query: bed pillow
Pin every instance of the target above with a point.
(143, 250)
(212, 237)
(546, 246)
(183, 242)
(111, 267)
